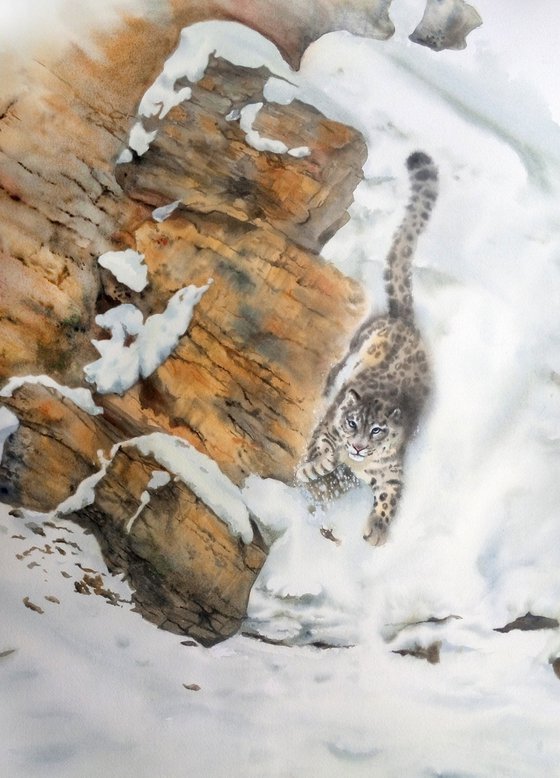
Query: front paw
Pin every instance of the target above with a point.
(376, 533)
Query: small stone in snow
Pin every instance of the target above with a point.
(328, 534)
(31, 605)
(429, 653)
(530, 622)
(37, 529)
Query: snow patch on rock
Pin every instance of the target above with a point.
(128, 267)
(121, 363)
(78, 395)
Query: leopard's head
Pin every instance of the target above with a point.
(368, 426)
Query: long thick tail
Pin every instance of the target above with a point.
(424, 191)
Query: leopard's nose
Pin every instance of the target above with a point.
(357, 448)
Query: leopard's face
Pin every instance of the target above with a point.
(369, 427)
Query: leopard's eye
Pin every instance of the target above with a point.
(352, 424)
(376, 431)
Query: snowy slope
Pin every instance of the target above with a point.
(91, 689)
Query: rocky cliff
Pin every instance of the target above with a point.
(240, 386)
(242, 383)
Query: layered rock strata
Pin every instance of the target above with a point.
(241, 386)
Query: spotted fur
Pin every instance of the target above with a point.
(363, 434)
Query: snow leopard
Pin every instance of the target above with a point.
(380, 388)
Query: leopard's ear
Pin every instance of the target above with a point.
(352, 396)
(396, 415)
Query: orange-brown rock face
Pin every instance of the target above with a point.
(303, 198)
(189, 574)
(243, 382)
(55, 447)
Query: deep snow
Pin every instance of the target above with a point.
(92, 689)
